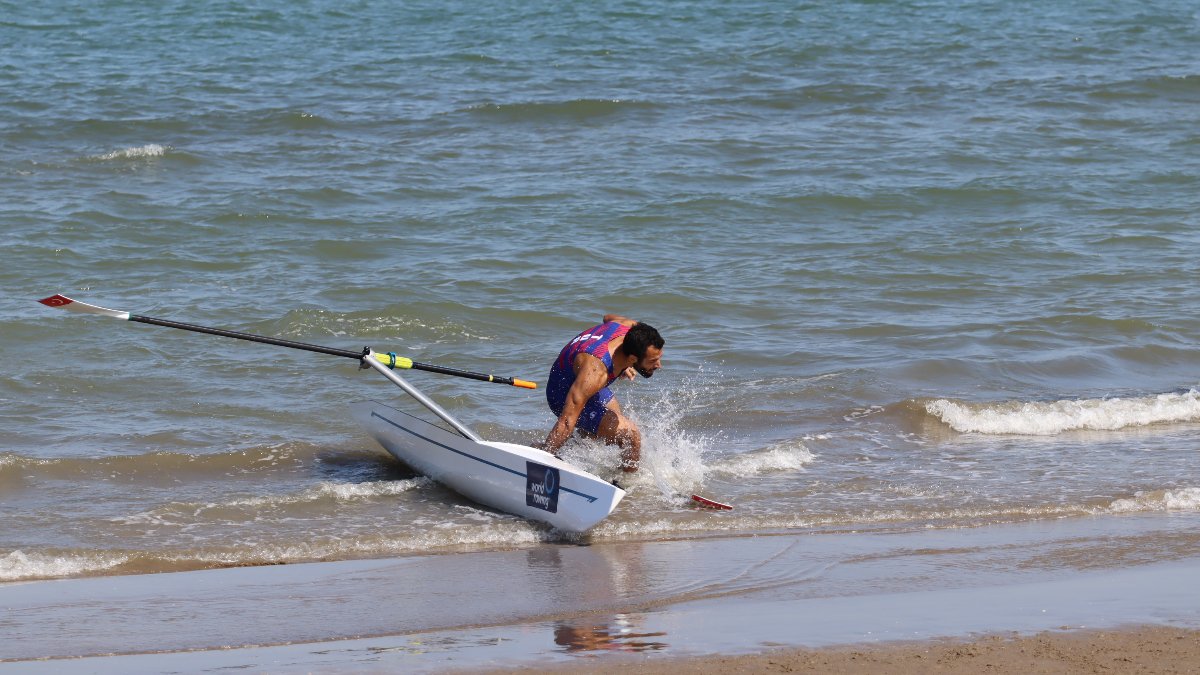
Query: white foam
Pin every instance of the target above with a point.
(150, 150)
(19, 565)
(1045, 419)
(1186, 499)
(788, 456)
(346, 492)
(487, 529)
(742, 521)
(342, 492)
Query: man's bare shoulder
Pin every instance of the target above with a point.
(624, 321)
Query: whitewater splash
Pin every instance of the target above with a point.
(141, 152)
(1046, 419)
(673, 456)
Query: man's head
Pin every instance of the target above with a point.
(644, 343)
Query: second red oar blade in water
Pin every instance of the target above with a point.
(710, 504)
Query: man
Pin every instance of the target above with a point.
(578, 388)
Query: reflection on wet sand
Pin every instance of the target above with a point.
(605, 576)
(615, 635)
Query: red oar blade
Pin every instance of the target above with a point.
(82, 307)
(710, 504)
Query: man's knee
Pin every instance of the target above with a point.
(627, 427)
(616, 426)
(624, 431)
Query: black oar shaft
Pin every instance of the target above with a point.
(392, 360)
(348, 353)
(247, 336)
(461, 373)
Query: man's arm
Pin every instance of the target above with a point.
(590, 377)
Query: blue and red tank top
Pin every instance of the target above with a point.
(592, 341)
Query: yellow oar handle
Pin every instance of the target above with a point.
(392, 361)
(524, 384)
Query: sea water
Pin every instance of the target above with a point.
(918, 264)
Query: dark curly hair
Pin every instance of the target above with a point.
(640, 337)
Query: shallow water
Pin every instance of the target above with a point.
(917, 264)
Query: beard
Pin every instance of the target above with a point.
(643, 371)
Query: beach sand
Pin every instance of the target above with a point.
(1045, 596)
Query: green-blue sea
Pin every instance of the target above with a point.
(918, 264)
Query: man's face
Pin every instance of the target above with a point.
(650, 362)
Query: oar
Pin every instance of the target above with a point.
(390, 360)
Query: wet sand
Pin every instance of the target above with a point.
(1146, 649)
(771, 602)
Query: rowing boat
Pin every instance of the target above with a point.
(512, 478)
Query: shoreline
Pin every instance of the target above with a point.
(790, 600)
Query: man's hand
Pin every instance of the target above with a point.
(629, 373)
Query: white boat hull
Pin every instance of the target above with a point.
(516, 479)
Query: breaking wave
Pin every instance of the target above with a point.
(488, 529)
(1185, 499)
(19, 565)
(327, 491)
(1049, 418)
(788, 456)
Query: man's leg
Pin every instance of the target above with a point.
(617, 429)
